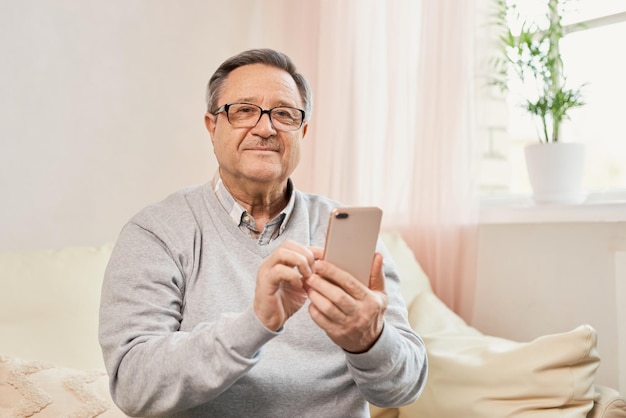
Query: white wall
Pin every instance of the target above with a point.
(540, 278)
(102, 105)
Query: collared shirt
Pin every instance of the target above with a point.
(245, 221)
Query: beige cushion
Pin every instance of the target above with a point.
(609, 404)
(377, 412)
(50, 302)
(475, 375)
(413, 280)
(472, 375)
(36, 389)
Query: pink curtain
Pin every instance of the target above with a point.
(392, 125)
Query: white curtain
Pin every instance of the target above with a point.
(392, 126)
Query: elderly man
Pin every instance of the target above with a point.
(216, 301)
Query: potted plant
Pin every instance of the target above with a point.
(530, 52)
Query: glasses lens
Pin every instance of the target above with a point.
(286, 118)
(243, 115)
(247, 115)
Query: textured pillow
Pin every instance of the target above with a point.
(472, 375)
(36, 389)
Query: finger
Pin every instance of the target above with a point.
(295, 255)
(270, 281)
(341, 278)
(306, 251)
(287, 275)
(318, 252)
(326, 308)
(324, 322)
(377, 278)
(335, 299)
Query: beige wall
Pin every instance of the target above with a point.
(538, 278)
(102, 104)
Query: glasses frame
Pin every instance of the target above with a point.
(224, 109)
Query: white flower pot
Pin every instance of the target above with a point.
(555, 171)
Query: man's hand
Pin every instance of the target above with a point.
(351, 313)
(279, 289)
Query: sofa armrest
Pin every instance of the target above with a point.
(609, 403)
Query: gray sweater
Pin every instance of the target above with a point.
(180, 338)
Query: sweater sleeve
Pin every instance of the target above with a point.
(140, 315)
(394, 371)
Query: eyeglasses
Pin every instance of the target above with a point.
(247, 115)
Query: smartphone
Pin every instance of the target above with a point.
(351, 239)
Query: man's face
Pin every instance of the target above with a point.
(259, 155)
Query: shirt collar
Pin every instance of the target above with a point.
(237, 212)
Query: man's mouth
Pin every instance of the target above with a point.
(262, 148)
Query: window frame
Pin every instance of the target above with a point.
(506, 207)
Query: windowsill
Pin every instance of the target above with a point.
(599, 207)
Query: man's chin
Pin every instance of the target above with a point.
(264, 172)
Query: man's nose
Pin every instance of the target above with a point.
(265, 124)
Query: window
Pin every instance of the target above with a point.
(592, 53)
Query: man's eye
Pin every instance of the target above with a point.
(285, 113)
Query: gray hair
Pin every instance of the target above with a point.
(257, 56)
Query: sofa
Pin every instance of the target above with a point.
(51, 365)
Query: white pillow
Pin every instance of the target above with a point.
(472, 375)
(413, 280)
(49, 305)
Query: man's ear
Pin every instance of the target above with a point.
(209, 122)
(304, 129)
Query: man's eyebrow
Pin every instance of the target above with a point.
(242, 100)
(252, 100)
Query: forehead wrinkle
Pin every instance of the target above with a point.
(257, 100)
(290, 86)
(282, 91)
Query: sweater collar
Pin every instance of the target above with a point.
(238, 213)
